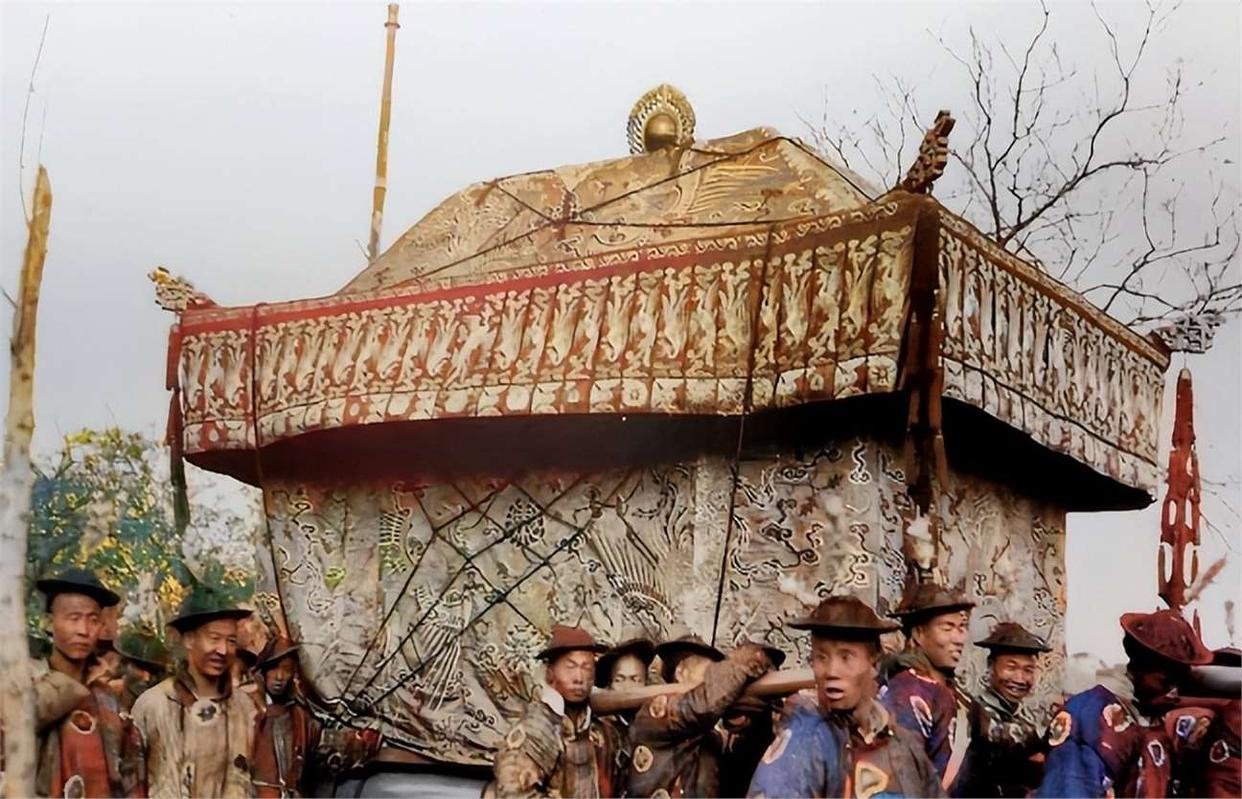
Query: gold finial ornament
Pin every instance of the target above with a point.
(174, 293)
(661, 118)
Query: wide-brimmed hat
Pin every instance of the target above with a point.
(76, 581)
(1166, 634)
(568, 639)
(276, 649)
(775, 654)
(642, 648)
(203, 605)
(248, 657)
(930, 599)
(1009, 636)
(671, 652)
(845, 617)
(143, 647)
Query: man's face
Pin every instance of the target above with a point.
(628, 672)
(278, 679)
(845, 672)
(572, 675)
(691, 669)
(210, 649)
(1013, 675)
(942, 638)
(75, 625)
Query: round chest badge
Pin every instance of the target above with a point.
(81, 721)
(75, 787)
(1116, 717)
(643, 758)
(204, 711)
(922, 714)
(516, 737)
(778, 746)
(1156, 750)
(1059, 729)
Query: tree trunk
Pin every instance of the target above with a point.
(17, 713)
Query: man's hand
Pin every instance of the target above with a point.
(748, 709)
(99, 672)
(752, 658)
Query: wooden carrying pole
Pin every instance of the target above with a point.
(17, 711)
(381, 155)
(775, 683)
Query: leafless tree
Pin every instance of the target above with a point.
(1090, 176)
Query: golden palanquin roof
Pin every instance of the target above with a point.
(734, 276)
(501, 227)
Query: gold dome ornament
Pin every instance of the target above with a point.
(661, 118)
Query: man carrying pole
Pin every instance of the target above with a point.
(677, 746)
(843, 742)
(558, 747)
(1005, 745)
(919, 686)
(1111, 742)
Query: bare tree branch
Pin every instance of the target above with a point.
(21, 149)
(1082, 173)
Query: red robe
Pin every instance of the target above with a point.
(285, 737)
(93, 750)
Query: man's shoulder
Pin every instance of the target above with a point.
(911, 682)
(1091, 702)
(1091, 716)
(537, 721)
(153, 698)
(988, 706)
(536, 734)
(806, 744)
(246, 702)
(806, 729)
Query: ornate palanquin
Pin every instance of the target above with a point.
(663, 391)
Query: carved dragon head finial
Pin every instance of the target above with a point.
(176, 294)
(933, 156)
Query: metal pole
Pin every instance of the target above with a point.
(381, 155)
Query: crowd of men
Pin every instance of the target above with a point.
(123, 720)
(875, 725)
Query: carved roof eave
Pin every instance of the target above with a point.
(1148, 346)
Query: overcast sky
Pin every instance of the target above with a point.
(235, 145)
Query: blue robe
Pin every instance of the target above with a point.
(922, 701)
(1100, 746)
(817, 755)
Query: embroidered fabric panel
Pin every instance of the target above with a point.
(813, 310)
(422, 607)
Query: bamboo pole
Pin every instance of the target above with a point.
(381, 155)
(17, 711)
